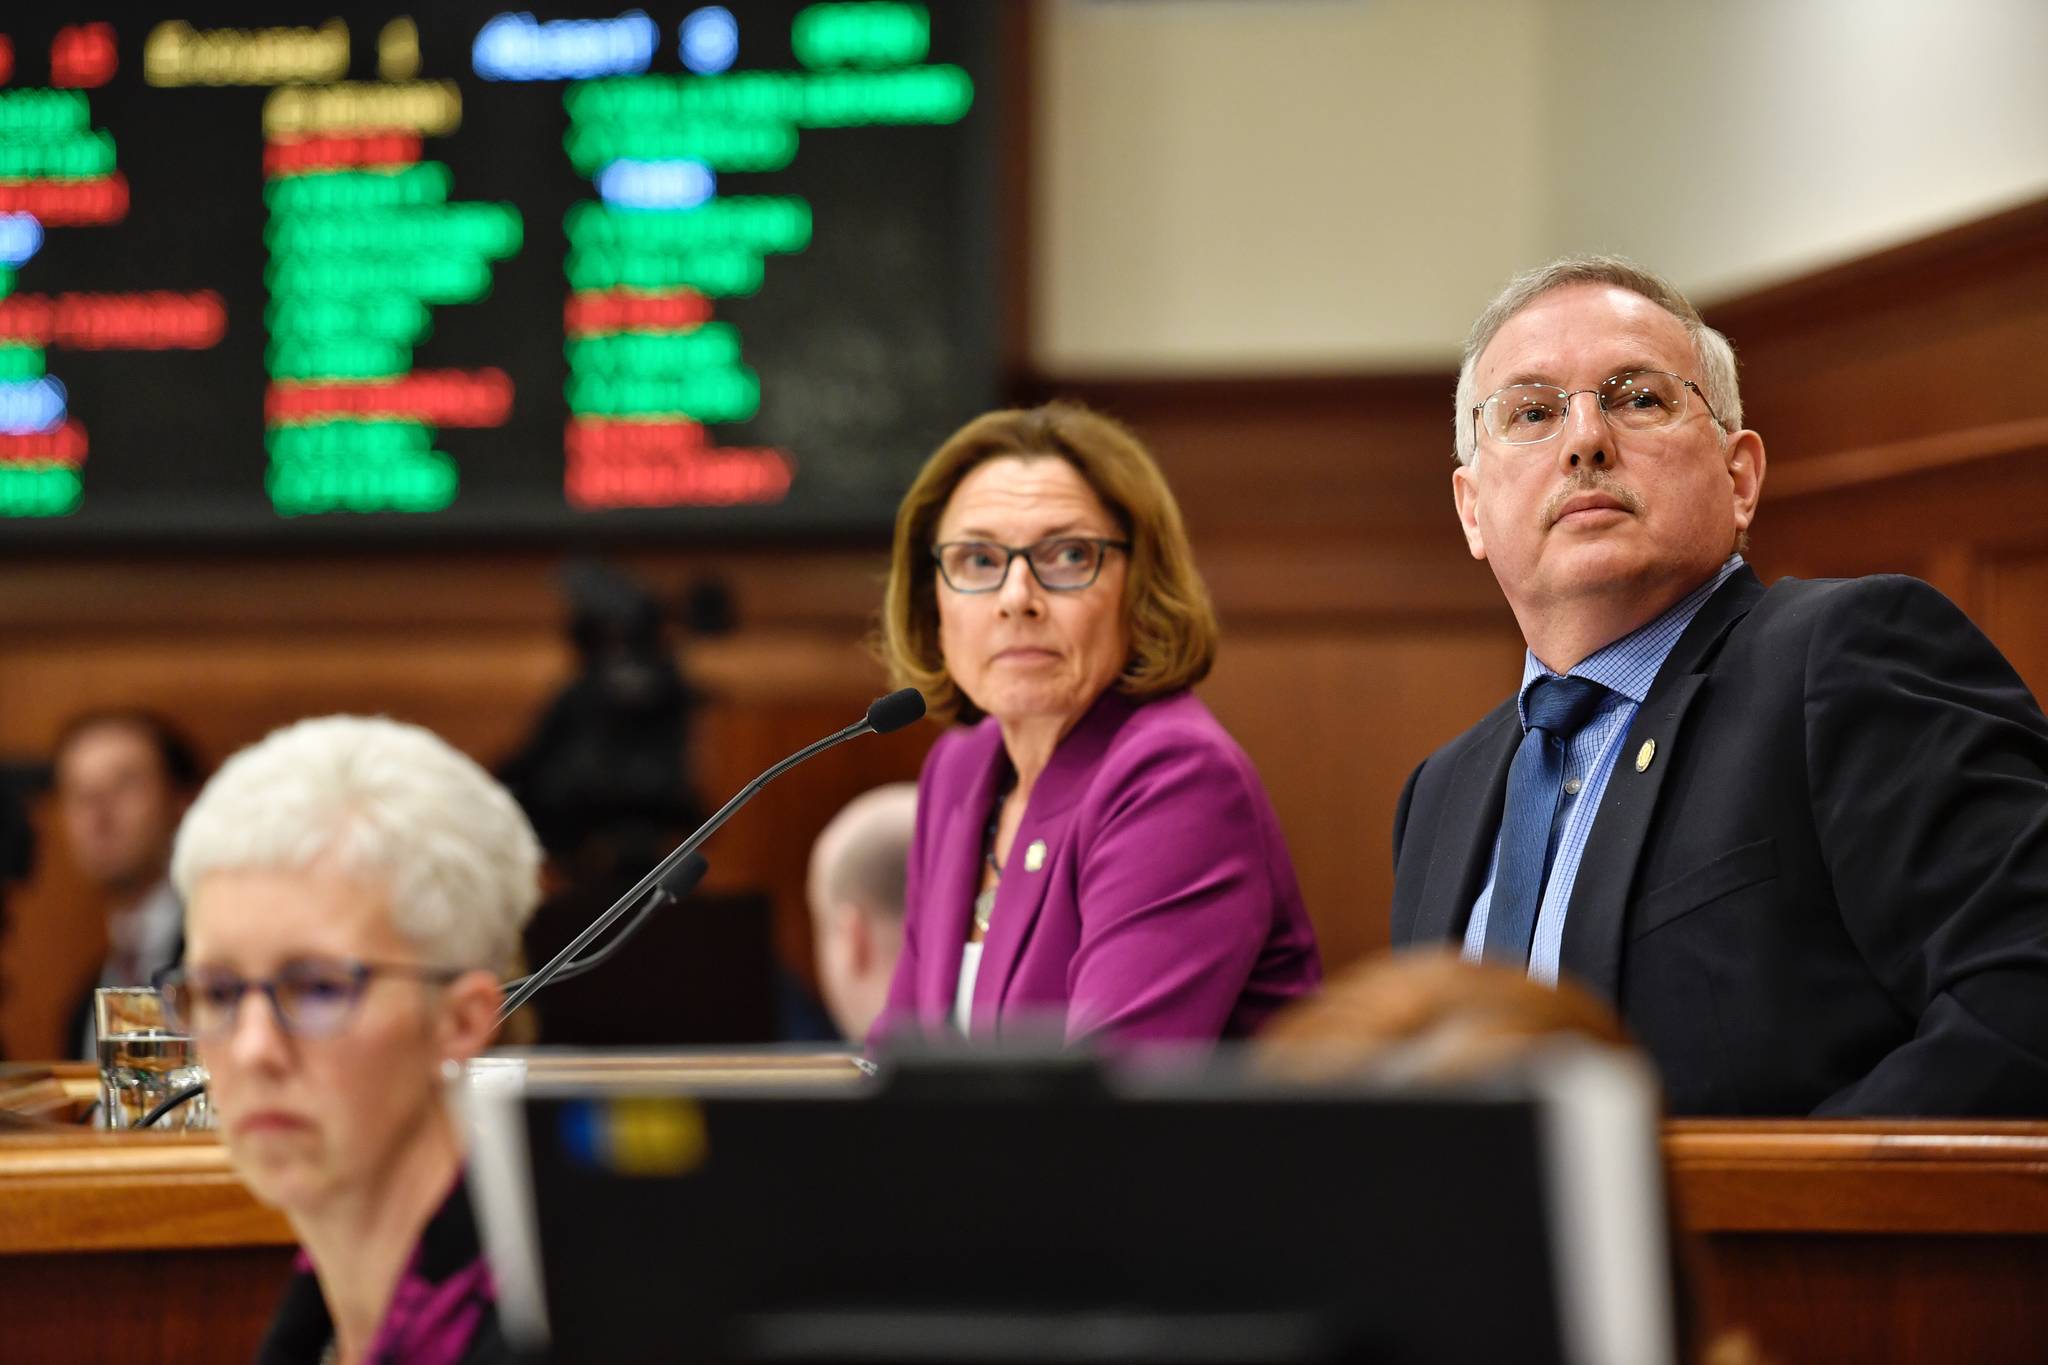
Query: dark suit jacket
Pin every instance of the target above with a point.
(1828, 891)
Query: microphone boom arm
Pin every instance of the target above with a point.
(531, 986)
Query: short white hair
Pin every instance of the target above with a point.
(389, 803)
(1716, 357)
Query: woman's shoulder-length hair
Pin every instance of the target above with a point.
(1172, 623)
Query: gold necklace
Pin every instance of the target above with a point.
(985, 901)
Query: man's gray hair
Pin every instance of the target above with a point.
(391, 804)
(1716, 357)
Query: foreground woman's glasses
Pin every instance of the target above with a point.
(310, 997)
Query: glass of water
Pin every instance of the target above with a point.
(143, 1063)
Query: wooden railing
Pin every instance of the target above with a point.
(1870, 1242)
(1754, 1176)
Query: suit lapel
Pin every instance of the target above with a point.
(1047, 826)
(1591, 952)
(1019, 898)
(1595, 922)
(1461, 846)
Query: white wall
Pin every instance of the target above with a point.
(1244, 185)
(1803, 132)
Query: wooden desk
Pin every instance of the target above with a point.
(145, 1247)
(133, 1247)
(1870, 1242)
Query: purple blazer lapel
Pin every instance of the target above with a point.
(1037, 856)
(1040, 853)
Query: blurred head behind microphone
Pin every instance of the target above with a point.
(1427, 1016)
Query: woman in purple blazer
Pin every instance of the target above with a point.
(1094, 855)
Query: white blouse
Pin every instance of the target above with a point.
(963, 998)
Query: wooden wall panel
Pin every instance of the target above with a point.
(1903, 400)
(469, 646)
(1937, 336)
(143, 1307)
(1353, 457)
(1336, 719)
(228, 688)
(2014, 594)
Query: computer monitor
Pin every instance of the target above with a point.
(1048, 1209)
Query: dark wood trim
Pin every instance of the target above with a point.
(1843, 469)
(1262, 581)
(1924, 265)
(71, 1192)
(1866, 1177)
(1111, 392)
(467, 594)
(1019, 32)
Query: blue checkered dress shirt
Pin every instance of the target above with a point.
(1626, 668)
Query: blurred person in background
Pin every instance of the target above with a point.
(1427, 1015)
(1093, 851)
(856, 893)
(123, 779)
(354, 890)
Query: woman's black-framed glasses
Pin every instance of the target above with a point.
(1634, 400)
(1059, 563)
(311, 997)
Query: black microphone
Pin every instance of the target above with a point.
(893, 712)
(884, 714)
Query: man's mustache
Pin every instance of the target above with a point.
(1586, 481)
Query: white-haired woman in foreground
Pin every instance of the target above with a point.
(353, 888)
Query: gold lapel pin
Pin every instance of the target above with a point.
(1645, 754)
(1034, 856)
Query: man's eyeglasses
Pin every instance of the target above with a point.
(1060, 564)
(1636, 400)
(311, 997)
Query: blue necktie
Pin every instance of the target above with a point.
(1556, 708)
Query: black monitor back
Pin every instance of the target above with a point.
(1031, 1213)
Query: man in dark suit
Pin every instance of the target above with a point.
(1798, 834)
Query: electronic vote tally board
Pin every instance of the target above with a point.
(276, 274)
